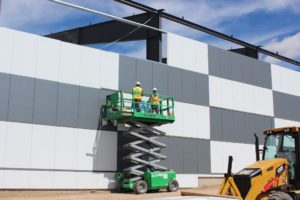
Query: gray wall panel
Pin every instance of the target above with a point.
(4, 97)
(216, 132)
(202, 90)
(238, 122)
(234, 126)
(219, 62)
(127, 73)
(286, 106)
(203, 157)
(190, 153)
(227, 125)
(174, 151)
(195, 88)
(184, 85)
(248, 71)
(21, 99)
(45, 102)
(67, 107)
(175, 84)
(262, 71)
(145, 75)
(230, 65)
(189, 86)
(160, 77)
(237, 68)
(186, 155)
(89, 108)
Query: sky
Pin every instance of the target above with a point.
(272, 24)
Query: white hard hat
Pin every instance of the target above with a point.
(138, 83)
(154, 89)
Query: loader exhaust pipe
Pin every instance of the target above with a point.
(229, 167)
(256, 147)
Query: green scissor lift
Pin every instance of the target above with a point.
(138, 121)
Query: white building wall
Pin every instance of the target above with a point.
(39, 57)
(44, 156)
(238, 96)
(56, 156)
(187, 121)
(243, 155)
(285, 80)
(187, 54)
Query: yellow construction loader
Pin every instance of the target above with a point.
(276, 176)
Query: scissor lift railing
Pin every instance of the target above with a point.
(121, 107)
(140, 126)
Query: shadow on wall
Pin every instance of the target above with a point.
(104, 155)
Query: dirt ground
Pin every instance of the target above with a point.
(88, 195)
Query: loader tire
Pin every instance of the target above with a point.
(279, 196)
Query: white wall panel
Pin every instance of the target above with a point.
(173, 50)
(283, 123)
(65, 180)
(66, 148)
(196, 121)
(40, 180)
(3, 131)
(69, 70)
(187, 54)
(82, 180)
(85, 149)
(105, 180)
(1, 178)
(97, 150)
(105, 151)
(22, 179)
(96, 180)
(18, 145)
(42, 147)
(15, 179)
(285, 80)
(38, 57)
(201, 51)
(6, 49)
(24, 57)
(187, 180)
(191, 121)
(109, 76)
(176, 128)
(239, 96)
(243, 155)
(90, 67)
(48, 59)
(50, 147)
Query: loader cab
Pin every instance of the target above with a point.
(284, 143)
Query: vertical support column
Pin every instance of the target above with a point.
(154, 39)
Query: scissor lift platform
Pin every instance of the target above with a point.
(121, 107)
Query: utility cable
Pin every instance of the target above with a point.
(124, 36)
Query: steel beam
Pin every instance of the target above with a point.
(111, 31)
(209, 31)
(105, 32)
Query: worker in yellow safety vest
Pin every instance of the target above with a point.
(137, 95)
(154, 101)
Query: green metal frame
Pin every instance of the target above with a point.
(121, 107)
